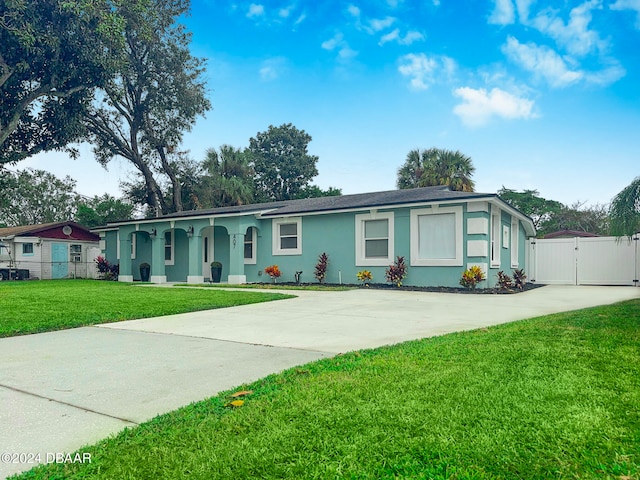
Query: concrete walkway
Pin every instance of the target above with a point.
(62, 390)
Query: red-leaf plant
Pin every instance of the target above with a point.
(321, 267)
(397, 272)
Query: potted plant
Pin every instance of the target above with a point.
(145, 271)
(216, 272)
(273, 271)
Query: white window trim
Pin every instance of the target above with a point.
(254, 237)
(275, 237)
(515, 233)
(118, 244)
(415, 240)
(134, 241)
(361, 260)
(33, 249)
(171, 260)
(496, 239)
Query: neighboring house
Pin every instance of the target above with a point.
(50, 250)
(440, 233)
(570, 234)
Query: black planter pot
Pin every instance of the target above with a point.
(216, 273)
(145, 271)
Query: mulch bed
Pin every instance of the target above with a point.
(410, 288)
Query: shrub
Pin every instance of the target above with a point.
(397, 272)
(471, 277)
(107, 270)
(505, 282)
(321, 267)
(273, 271)
(365, 276)
(519, 278)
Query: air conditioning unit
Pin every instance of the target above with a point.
(76, 259)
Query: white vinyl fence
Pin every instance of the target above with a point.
(585, 261)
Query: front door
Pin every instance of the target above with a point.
(207, 252)
(59, 260)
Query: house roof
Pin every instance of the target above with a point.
(383, 199)
(338, 202)
(35, 230)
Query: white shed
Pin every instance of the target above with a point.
(49, 251)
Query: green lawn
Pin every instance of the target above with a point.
(552, 397)
(41, 306)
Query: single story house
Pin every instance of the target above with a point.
(440, 233)
(50, 250)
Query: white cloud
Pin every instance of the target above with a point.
(422, 70)
(479, 106)
(346, 53)
(390, 37)
(272, 69)
(548, 64)
(333, 42)
(411, 37)
(285, 12)
(628, 5)
(503, 13)
(255, 10)
(354, 11)
(378, 24)
(541, 61)
(338, 43)
(575, 35)
(523, 7)
(605, 77)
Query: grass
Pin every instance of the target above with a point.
(42, 306)
(273, 286)
(552, 397)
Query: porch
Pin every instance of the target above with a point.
(182, 250)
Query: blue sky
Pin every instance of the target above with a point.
(541, 95)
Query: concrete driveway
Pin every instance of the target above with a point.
(62, 390)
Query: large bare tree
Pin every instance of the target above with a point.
(154, 99)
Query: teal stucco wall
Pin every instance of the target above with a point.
(332, 233)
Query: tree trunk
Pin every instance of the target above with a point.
(175, 182)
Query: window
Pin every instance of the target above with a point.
(495, 237)
(250, 246)
(514, 244)
(168, 247)
(75, 252)
(27, 249)
(134, 241)
(436, 236)
(205, 249)
(374, 239)
(287, 236)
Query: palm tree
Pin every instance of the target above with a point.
(625, 210)
(437, 167)
(229, 178)
(411, 171)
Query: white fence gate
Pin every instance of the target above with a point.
(585, 261)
